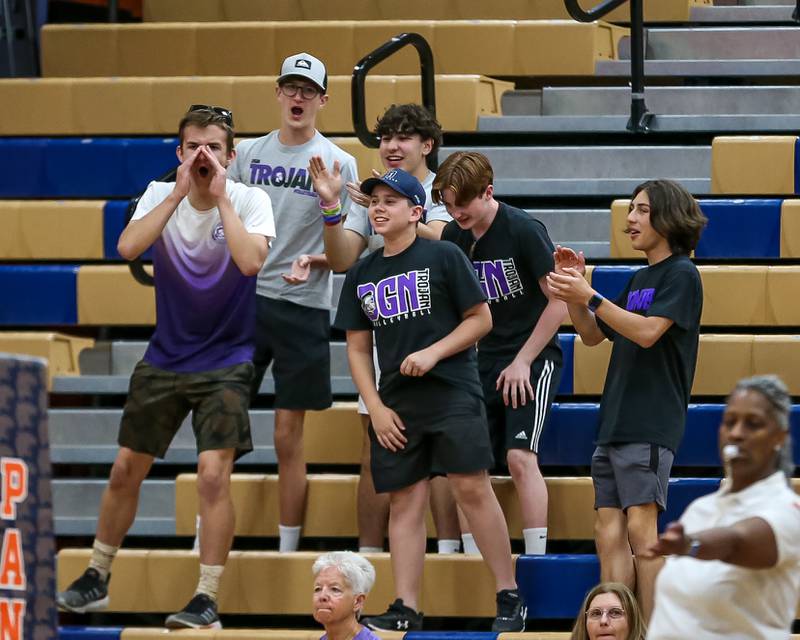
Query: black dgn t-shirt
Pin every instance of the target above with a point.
(509, 259)
(411, 300)
(647, 390)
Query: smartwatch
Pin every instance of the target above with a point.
(594, 302)
(694, 547)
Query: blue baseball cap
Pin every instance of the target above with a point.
(398, 180)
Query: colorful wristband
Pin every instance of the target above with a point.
(330, 206)
(331, 213)
(332, 220)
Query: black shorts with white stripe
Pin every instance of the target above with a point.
(519, 428)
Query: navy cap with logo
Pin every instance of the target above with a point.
(401, 181)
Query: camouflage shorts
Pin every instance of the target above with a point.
(158, 401)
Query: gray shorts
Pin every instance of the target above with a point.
(631, 474)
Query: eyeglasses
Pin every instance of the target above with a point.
(226, 115)
(614, 613)
(289, 89)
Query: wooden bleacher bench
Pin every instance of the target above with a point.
(219, 10)
(508, 47)
(758, 165)
(90, 106)
(60, 350)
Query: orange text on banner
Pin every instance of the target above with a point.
(14, 488)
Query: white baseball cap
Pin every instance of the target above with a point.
(306, 66)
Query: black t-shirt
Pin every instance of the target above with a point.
(509, 259)
(647, 390)
(412, 300)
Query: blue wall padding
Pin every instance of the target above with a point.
(610, 281)
(38, 294)
(554, 585)
(740, 228)
(82, 167)
(568, 438)
(567, 342)
(89, 633)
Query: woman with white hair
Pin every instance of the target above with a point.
(342, 580)
(734, 566)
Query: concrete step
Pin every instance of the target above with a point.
(721, 43)
(595, 101)
(773, 12)
(598, 170)
(763, 3)
(76, 504)
(769, 68)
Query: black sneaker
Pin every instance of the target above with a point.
(511, 611)
(87, 593)
(200, 613)
(398, 617)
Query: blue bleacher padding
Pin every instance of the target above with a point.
(89, 633)
(610, 281)
(38, 294)
(114, 213)
(567, 342)
(554, 585)
(82, 167)
(741, 228)
(569, 437)
(681, 492)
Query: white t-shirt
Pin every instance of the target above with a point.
(282, 171)
(358, 219)
(712, 599)
(205, 306)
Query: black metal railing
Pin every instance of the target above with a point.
(136, 266)
(796, 12)
(380, 54)
(640, 117)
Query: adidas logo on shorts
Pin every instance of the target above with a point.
(521, 436)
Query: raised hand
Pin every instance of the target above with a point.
(564, 258)
(569, 286)
(327, 183)
(183, 177)
(356, 195)
(216, 187)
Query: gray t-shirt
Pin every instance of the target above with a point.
(282, 172)
(358, 220)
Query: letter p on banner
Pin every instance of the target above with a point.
(14, 473)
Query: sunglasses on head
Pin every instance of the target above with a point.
(226, 115)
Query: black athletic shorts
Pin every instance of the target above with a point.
(158, 402)
(296, 341)
(519, 428)
(446, 431)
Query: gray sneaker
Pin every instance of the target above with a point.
(200, 613)
(87, 593)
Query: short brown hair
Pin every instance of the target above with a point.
(674, 214)
(410, 119)
(466, 173)
(203, 118)
(637, 628)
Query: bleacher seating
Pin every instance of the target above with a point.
(77, 147)
(518, 47)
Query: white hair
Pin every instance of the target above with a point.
(357, 571)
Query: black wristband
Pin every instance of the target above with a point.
(595, 302)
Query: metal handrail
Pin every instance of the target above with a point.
(136, 267)
(362, 68)
(641, 118)
(796, 12)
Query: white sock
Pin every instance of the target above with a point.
(196, 543)
(370, 549)
(209, 579)
(102, 557)
(289, 538)
(470, 548)
(535, 541)
(449, 546)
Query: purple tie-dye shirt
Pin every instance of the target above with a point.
(205, 306)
